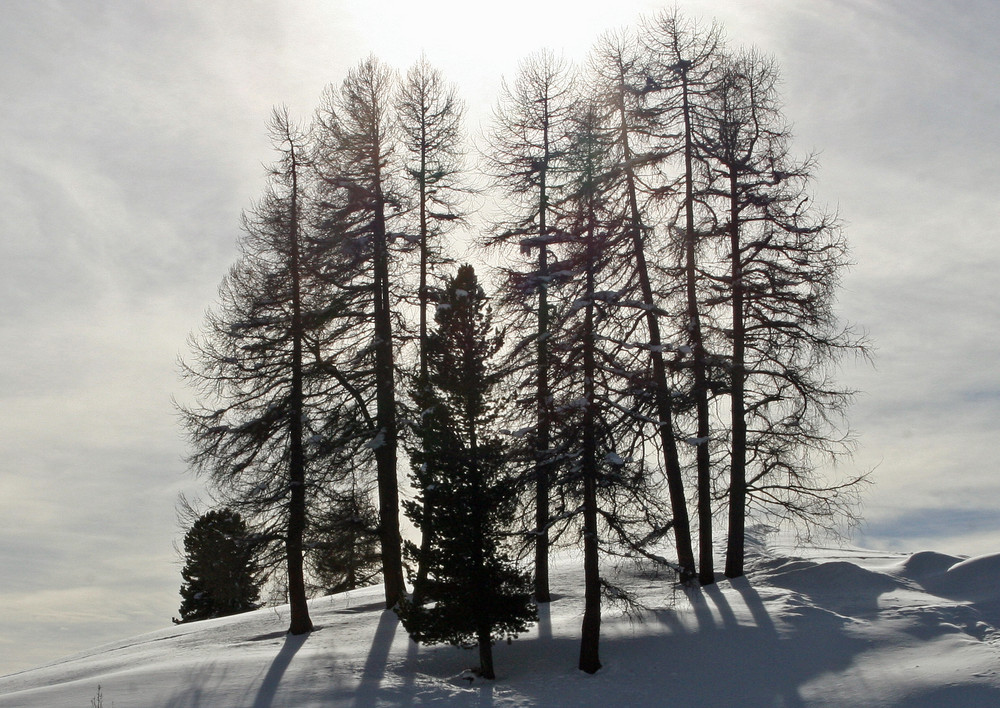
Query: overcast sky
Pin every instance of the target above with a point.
(133, 136)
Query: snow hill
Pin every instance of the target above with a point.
(814, 627)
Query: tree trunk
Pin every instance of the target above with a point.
(427, 528)
(735, 549)
(486, 655)
(484, 630)
(706, 566)
(300, 623)
(386, 435)
(544, 431)
(591, 632)
(671, 461)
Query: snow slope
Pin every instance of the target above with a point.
(814, 627)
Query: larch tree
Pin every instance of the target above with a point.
(260, 396)
(623, 83)
(683, 59)
(604, 482)
(473, 591)
(526, 143)
(584, 199)
(430, 116)
(785, 259)
(356, 138)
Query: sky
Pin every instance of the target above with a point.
(134, 136)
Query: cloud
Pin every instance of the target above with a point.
(960, 530)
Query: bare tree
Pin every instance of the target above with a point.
(259, 396)
(619, 68)
(356, 137)
(683, 62)
(604, 481)
(430, 116)
(585, 204)
(785, 259)
(526, 144)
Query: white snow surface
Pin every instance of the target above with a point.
(806, 627)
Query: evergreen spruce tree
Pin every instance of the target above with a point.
(221, 573)
(343, 547)
(473, 593)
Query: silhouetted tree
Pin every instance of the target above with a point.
(527, 142)
(430, 116)
(355, 129)
(221, 572)
(584, 206)
(602, 485)
(473, 591)
(261, 396)
(784, 262)
(624, 85)
(683, 58)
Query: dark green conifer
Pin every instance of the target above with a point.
(221, 573)
(474, 593)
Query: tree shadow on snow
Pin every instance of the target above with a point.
(544, 621)
(269, 686)
(729, 650)
(198, 685)
(367, 694)
(730, 656)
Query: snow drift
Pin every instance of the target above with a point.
(813, 627)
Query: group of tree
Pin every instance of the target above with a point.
(664, 302)
(296, 371)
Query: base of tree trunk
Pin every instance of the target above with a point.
(590, 661)
(486, 659)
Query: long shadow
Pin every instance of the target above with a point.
(729, 655)
(729, 620)
(670, 618)
(702, 612)
(771, 641)
(409, 673)
(486, 695)
(269, 687)
(544, 620)
(374, 671)
(756, 606)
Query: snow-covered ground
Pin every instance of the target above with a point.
(813, 627)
